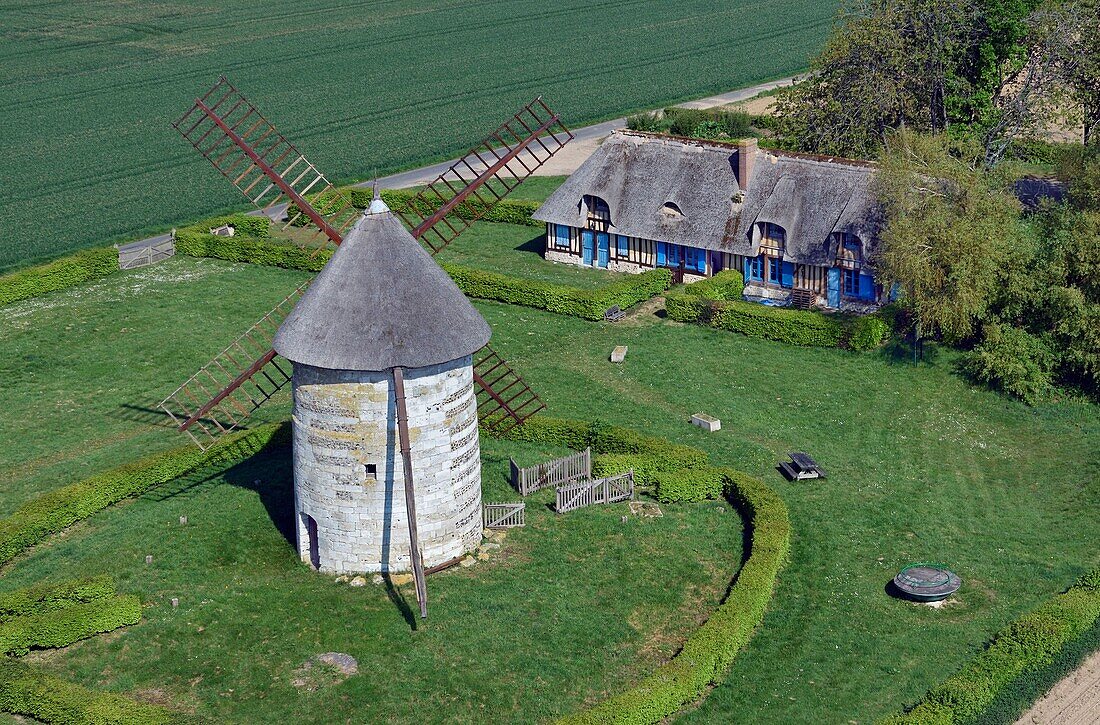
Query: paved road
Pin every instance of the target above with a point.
(426, 174)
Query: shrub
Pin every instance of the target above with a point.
(251, 250)
(588, 304)
(686, 485)
(57, 510)
(1022, 661)
(57, 275)
(504, 211)
(650, 121)
(47, 597)
(709, 123)
(868, 333)
(1011, 360)
(729, 284)
(647, 467)
(26, 690)
(62, 627)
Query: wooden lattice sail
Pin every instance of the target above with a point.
(245, 148)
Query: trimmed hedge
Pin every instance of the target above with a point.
(795, 327)
(250, 250)
(710, 650)
(1021, 662)
(505, 211)
(57, 510)
(59, 274)
(26, 690)
(62, 627)
(605, 439)
(586, 304)
(48, 597)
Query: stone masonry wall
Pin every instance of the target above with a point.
(348, 473)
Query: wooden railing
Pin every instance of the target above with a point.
(503, 515)
(590, 493)
(558, 472)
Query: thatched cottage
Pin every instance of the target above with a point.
(800, 228)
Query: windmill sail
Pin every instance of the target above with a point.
(486, 174)
(245, 147)
(241, 144)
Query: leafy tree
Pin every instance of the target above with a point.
(1011, 360)
(950, 230)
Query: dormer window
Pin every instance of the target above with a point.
(599, 214)
(773, 239)
(671, 211)
(849, 250)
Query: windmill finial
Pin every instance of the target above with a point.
(377, 206)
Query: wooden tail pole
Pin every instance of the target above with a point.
(410, 499)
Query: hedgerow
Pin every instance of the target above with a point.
(588, 304)
(59, 509)
(711, 649)
(62, 627)
(47, 597)
(718, 307)
(59, 274)
(505, 211)
(1021, 662)
(27, 690)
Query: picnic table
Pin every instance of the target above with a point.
(801, 467)
(614, 313)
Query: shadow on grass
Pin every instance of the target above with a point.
(535, 245)
(398, 600)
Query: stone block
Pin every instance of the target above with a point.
(618, 354)
(707, 422)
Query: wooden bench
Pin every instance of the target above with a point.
(613, 314)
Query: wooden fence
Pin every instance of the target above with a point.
(144, 256)
(558, 472)
(589, 493)
(503, 515)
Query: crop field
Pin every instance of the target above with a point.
(921, 467)
(88, 90)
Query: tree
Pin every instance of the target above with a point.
(950, 231)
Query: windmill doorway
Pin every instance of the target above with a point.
(312, 548)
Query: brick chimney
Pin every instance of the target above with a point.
(747, 149)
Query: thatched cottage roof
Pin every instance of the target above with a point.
(381, 302)
(638, 174)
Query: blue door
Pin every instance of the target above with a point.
(834, 287)
(588, 242)
(603, 248)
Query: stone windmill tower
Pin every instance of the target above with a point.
(382, 344)
(392, 373)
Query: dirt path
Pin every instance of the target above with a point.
(1073, 701)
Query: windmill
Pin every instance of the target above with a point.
(245, 147)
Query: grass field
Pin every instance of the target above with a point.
(922, 467)
(89, 89)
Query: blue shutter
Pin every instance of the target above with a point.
(662, 254)
(588, 242)
(866, 287)
(623, 244)
(834, 287)
(788, 274)
(563, 236)
(603, 249)
(701, 261)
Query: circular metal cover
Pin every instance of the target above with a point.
(927, 582)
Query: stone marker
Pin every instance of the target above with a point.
(707, 422)
(358, 582)
(183, 521)
(149, 559)
(618, 354)
(175, 602)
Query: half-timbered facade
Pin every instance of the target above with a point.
(800, 228)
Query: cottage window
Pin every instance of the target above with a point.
(671, 210)
(773, 238)
(849, 250)
(622, 246)
(561, 236)
(599, 213)
(754, 269)
(850, 280)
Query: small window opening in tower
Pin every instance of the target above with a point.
(371, 471)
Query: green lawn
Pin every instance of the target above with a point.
(922, 467)
(90, 89)
(571, 608)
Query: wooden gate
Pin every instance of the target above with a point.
(590, 493)
(130, 258)
(503, 515)
(557, 472)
